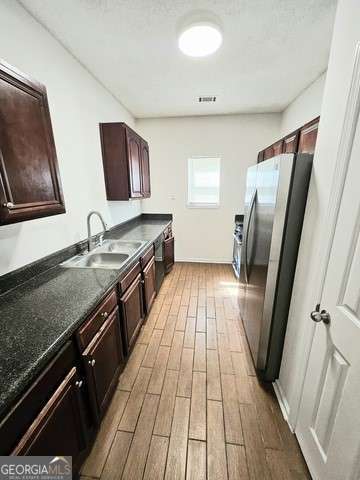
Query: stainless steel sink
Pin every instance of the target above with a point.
(120, 246)
(97, 260)
(112, 254)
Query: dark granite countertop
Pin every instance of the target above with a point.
(39, 316)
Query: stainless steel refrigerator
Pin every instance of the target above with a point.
(275, 200)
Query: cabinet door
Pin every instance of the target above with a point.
(149, 284)
(59, 427)
(169, 254)
(134, 159)
(291, 142)
(132, 310)
(145, 163)
(103, 361)
(114, 148)
(308, 136)
(268, 152)
(29, 177)
(278, 147)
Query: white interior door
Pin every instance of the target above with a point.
(328, 428)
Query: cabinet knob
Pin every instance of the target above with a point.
(8, 205)
(104, 314)
(92, 362)
(79, 383)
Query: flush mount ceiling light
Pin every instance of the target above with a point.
(200, 39)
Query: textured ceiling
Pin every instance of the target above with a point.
(272, 50)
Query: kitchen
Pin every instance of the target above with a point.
(123, 344)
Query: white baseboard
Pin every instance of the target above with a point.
(202, 260)
(284, 406)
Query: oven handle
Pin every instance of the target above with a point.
(246, 236)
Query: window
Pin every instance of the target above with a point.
(204, 182)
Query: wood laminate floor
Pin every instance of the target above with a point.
(188, 404)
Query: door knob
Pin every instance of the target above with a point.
(8, 205)
(320, 316)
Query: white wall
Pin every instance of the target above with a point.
(300, 328)
(77, 104)
(304, 107)
(203, 234)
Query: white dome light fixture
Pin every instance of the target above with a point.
(200, 39)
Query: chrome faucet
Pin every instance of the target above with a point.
(91, 243)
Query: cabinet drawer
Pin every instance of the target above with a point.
(59, 427)
(147, 257)
(87, 331)
(130, 277)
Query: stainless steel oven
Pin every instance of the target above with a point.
(237, 244)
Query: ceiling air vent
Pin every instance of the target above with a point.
(207, 99)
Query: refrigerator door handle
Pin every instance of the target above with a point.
(246, 236)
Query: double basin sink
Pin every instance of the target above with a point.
(111, 254)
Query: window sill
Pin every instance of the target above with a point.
(203, 205)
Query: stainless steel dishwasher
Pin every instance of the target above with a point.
(159, 261)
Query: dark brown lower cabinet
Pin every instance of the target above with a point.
(58, 414)
(169, 258)
(103, 359)
(59, 427)
(131, 305)
(149, 280)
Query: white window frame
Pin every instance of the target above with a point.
(202, 204)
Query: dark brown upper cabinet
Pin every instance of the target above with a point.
(29, 176)
(308, 136)
(145, 165)
(278, 147)
(268, 152)
(291, 142)
(126, 162)
(302, 140)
